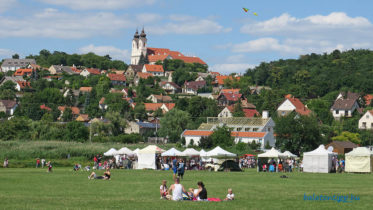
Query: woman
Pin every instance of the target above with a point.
(106, 175)
(201, 193)
(163, 190)
(181, 169)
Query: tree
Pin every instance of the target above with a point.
(222, 137)
(67, 115)
(206, 142)
(238, 111)
(297, 134)
(15, 56)
(117, 122)
(139, 112)
(76, 131)
(143, 60)
(348, 136)
(174, 123)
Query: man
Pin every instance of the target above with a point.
(181, 169)
(174, 167)
(177, 190)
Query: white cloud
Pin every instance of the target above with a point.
(227, 68)
(7, 4)
(148, 18)
(55, 24)
(318, 33)
(183, 24)
(114, 52)
(98, 4)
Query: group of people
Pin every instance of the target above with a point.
(177, 192)
(247, 162)
(338, 165)
(40, 163)
(164, 163)
(281, 165)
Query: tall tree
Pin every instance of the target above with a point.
(174, 123)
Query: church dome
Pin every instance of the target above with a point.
(136, 34)
(143, 34)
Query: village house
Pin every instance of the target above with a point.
(345, 105)
(23, 72)
(141, 127)
(227, 99)
(59, 69)
(117, 79)
(82, 118)
(102, 105)
(14, 64)
(220, 80)
(8, 106)
(229, 110)
(90, 71)
(75, 111)
(141, 75)
(152, 107)
(159, 98)
(13, 79)
(132, 70)
(23, 86)
(46, 108)
(34, 67)
(341, 147)
(368, 98)
(156, 70)
(170, 87)
(85, 89)
(366, 121)
(292, 104)
(193, 86)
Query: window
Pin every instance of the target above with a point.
(255, 129)
(247, 129)
(364, 124)
(371, 125)
(367, 116)
(337, 111)
(282, 113)
(239, 129)
(269, 129)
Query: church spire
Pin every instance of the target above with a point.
(136, 34)
(143, 34)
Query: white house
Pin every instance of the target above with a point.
(195, 136)
(170, 87)
(14, 64)
(8, 106)
(156, 70)
(345, 105)
(292, 104)
(366, 121)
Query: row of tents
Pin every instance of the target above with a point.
(320, 160)
(146, 158)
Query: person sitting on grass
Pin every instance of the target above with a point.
(201, 194)
(177, 190)
(76, 167)
(163, 189)
(191, 194)
(106, 175)
(230, 195)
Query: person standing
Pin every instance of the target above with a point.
(177, 190)
(37, 162)
(95, 162)
(6, 163)
(42, 162)
(174, 167)
(181, 169)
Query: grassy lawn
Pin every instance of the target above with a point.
(139, 189)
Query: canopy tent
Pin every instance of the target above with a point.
(318, 160)
(203, 155)
(288, 154)
(189, 152)
(124, 151)
(360, 159)
(171, 152)
(146, 157)
(218, 152)
(273, 153)
(110, 152)
(229, 165)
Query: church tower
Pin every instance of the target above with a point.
(139, 47)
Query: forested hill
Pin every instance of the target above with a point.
(316, 75)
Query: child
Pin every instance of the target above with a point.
(163, 189)
(191, 193)
(230, 195)
(49, 164)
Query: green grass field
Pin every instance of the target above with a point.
(139, 189)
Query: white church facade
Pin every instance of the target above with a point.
(139, 47)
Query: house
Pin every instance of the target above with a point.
(8, 106)
(366, 121)
(170, 87)
(102, 105)
(193, 86)
(117, 79)
(161, 57)
(14, 64)
(161, 54)
(227, 99)
(228, 112)
(345, 105)
(85, 89)
(235, 91)
(68, 92)
(368, 99)
(75, 111)
(59, 69)
(23, 72)
(262, 138)
(43, 107)
(152, 107)
(159, 98)
(13, 79)
(132, 70)
(141, 127)
(83, 118)
(292, 104)
(156, 70)
(23, 85)
(220, 80)
(90, 71)
(34, 67)
(341, 147)
(142, 75)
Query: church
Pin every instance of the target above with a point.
(140, 48)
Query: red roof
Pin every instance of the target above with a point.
(190, 59)
(74, 69)
(299, 106)
(197, 133)
(232, 96)
(22, 72)
(154, 68)
(171, 83)
(248, 134)
(230, 91)
(215, 73)
(74, 110)
(155, 54)
(175, 54)
(157, 51)
(85, 89)
(117, 77)
(93, 71)
(144, 75)
(368, 99)
(155, 106)
(45, 107)
(24, 84)
(371, 112)
(155, 58)
(102, 100)
(220, 79)
(251, 113)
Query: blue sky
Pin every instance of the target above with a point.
(219, 32)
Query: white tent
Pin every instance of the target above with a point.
(110, 152)
(318, 160)
(360, 159)
(189, 152)
(204, 157)
(124, 151)
(146, 157)
(219, 153)
(273, 153)
(171, 152)
(288, 154)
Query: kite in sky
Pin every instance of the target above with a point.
(246, 10)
